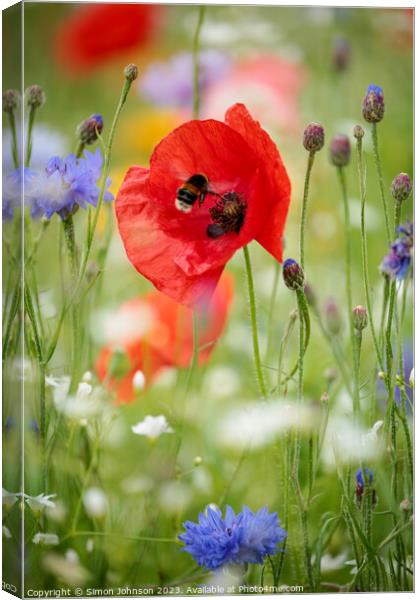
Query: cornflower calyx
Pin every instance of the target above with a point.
(401, 187)
(10, 100)
(293, 275)
(88, 130)
(313, 137)
(35, 96)
(373, 107)
(340, 150)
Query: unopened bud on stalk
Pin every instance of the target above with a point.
(401, 187)
(131, 72)
(293, 275)
(313, 137)
(341, 53)
(332, 316)
(139, 381)
(373, 107)
(381, 375)
(360, 318)
(340, 150)
(310, 294)
(10, 100)
(87, 131)
(405, 505)
(330, 375)
(198, 461)
(358, 132)
(35, 96)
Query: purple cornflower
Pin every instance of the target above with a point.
(247, 537)
(170, 83)
(67, 183)
(398, 261)
(373, 107)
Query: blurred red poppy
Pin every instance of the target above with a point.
(184, 254)
(93, 34)
(154, 332)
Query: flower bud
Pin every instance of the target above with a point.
(360, 318)
(411, 379)
(131, 72)
(310, 295)
(381, 375)
(358, 132)
(198, 461)
(10, 100)
(35, 96)
(405, 505)
(401, 187)
(330, 375)
(87, 131)
(373, 107)
(341, 53)
(293, 275)
(313, 137)
(332, 316)
(340, 150)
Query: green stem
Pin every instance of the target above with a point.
(311, 158)
(388, 334)
(343, 185)
(277, 270)
(362, 187)
(12, 123)
(68, 226)
(196, 62)
(253, 314)
(283, 345)
(357, 349)
(31, 121)
(133, 538)
(381, 180)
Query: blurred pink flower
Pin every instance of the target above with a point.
(269, 85)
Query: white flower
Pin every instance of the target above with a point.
(95, 502)
(222, 382)
(139, 381)
(87, 377)
(46, 539)
(347, 443)
(258, 424)
(6, 532)
(86, 403)
(9, 498)
(67, 568)
(332, 563)
(37, 503)
(411, 379)
(152, 427)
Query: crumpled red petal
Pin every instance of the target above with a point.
(276, 178)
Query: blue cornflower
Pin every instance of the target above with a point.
(247, 537)
(67, 183)
(360, 478)
(397, 262)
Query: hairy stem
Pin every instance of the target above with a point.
(380, 180)
(253, 314)
(311, 158)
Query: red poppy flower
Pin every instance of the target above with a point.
(154, 331)
(184, 254)
(93, 34)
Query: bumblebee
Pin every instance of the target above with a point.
(195, 188)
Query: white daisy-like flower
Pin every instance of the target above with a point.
(46, 539)
(9, 498)
(6, 532)
(152, 427)
(95, 502)
(86, 403)
(258, 424)
(38, 503)
(139, 381)
(66, 568)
